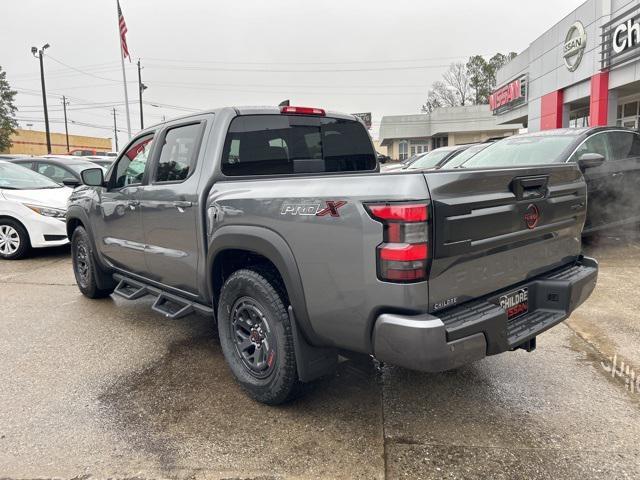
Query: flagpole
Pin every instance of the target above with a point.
(124, 75)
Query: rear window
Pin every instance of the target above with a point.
(431, 159)
(293, 144)
(464, 156)
(525, 150)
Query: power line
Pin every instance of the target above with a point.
(294, 62)
(173, 107)
(75, 122)
(82, 71)
(95, 66)
(284, 91)
(298, 70)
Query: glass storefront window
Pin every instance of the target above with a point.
(579, 118)
(628, 115)
(631, 109)
(403, 150)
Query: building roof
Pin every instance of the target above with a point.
(471, 118)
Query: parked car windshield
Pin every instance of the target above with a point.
(462, 157)
(431, 159)
(525, 150)
(15, 177)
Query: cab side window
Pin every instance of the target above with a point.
(624, 145)
(54, 172)
(178, 155)
(130, 168)
(594, 144)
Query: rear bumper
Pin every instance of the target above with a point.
(479, 328)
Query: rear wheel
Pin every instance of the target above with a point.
(14, 240)
(85, 267)
(256, 337)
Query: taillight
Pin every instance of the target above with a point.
(403, 256)
(302, 111)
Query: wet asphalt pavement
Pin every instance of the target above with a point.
(111, 389)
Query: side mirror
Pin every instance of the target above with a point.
(93, 177)
(590, 160)
(70, 182)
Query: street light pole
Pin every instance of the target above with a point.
(115, 128)
(66, 128)
(40, 53)
(141, 88)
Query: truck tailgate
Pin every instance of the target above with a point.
(495, 228)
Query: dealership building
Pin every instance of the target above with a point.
(407, 135)
(583, 71)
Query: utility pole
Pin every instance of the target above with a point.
(115, 128)
(40, 54)
(66, 128)
(141, 88)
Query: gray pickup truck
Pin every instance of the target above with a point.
(277, 223)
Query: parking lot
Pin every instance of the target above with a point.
(110, 388)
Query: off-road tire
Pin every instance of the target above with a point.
(259, 287)
(85, 267)
(12, 228)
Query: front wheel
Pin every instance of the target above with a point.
(85, 268)
(256, 336)
(14, 240)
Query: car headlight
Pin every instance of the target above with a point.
(47, 211)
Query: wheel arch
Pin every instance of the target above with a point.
(78, 217)
(258, 243)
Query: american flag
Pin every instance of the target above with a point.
(123, 33)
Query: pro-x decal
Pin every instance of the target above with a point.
(330, 208)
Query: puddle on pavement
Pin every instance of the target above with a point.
(615, 369)
(187, 409)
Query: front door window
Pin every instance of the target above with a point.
(130, 169)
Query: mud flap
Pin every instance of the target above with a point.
(312, 362)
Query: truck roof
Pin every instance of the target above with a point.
(251, 110)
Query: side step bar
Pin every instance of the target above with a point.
(130, 289)
(170, 305)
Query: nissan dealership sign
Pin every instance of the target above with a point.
(574, 45)
(621, 38)
(509, 96)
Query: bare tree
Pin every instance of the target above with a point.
(466, 84)
(453, 90)
(457, 80)
(433, 102)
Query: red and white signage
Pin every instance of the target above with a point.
(506, 95)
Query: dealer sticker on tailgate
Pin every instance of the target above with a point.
(515, 303)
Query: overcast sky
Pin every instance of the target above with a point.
(346, 55)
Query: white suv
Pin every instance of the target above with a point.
(32, 211)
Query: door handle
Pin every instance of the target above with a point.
(526, 188)
(180, 204)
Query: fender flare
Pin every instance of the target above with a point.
(77, 213)
(265, 242)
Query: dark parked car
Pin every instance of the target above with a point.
(436, 158)
(383, 158)
(608, 156)
(62, 170)
(462, 157)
